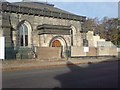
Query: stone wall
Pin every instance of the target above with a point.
(113, 51)
(48, 53)
(6, 31)
(107, 48)
(39, 20)
(107, 51)
(14, 19)
(10, 23)
(77, 51)
(1, 31)
(92, 51)
(45, 39)
(104, 48)
(90, 38)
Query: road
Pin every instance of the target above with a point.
(99, 75)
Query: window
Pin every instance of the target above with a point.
(23, 35)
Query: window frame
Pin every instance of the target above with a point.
(23, 28)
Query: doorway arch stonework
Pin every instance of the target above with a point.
(59, 41)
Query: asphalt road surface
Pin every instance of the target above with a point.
(100, 75)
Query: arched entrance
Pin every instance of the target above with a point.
(59, 41)
(56, 43)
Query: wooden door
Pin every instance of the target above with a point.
(56, 43)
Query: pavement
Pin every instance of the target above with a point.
(13, 65)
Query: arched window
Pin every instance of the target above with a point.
(23, 35)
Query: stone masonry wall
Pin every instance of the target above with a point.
(55, 53)
(39, 20)
(1, 31)
(10, 23)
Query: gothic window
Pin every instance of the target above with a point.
(23, 35)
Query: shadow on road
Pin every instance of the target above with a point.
(99, 75)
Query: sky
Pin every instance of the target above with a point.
(88, 8)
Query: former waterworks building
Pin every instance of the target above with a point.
(42, 31)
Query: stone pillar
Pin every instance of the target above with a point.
(7, 33)
(9, 49)
(1, 31)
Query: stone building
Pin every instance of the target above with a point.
(29, 26)
(40, 30)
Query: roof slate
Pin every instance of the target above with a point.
(40, 9)
(40, 5)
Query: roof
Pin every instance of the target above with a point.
(40, 9)
(41, 5)
(3, 1)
